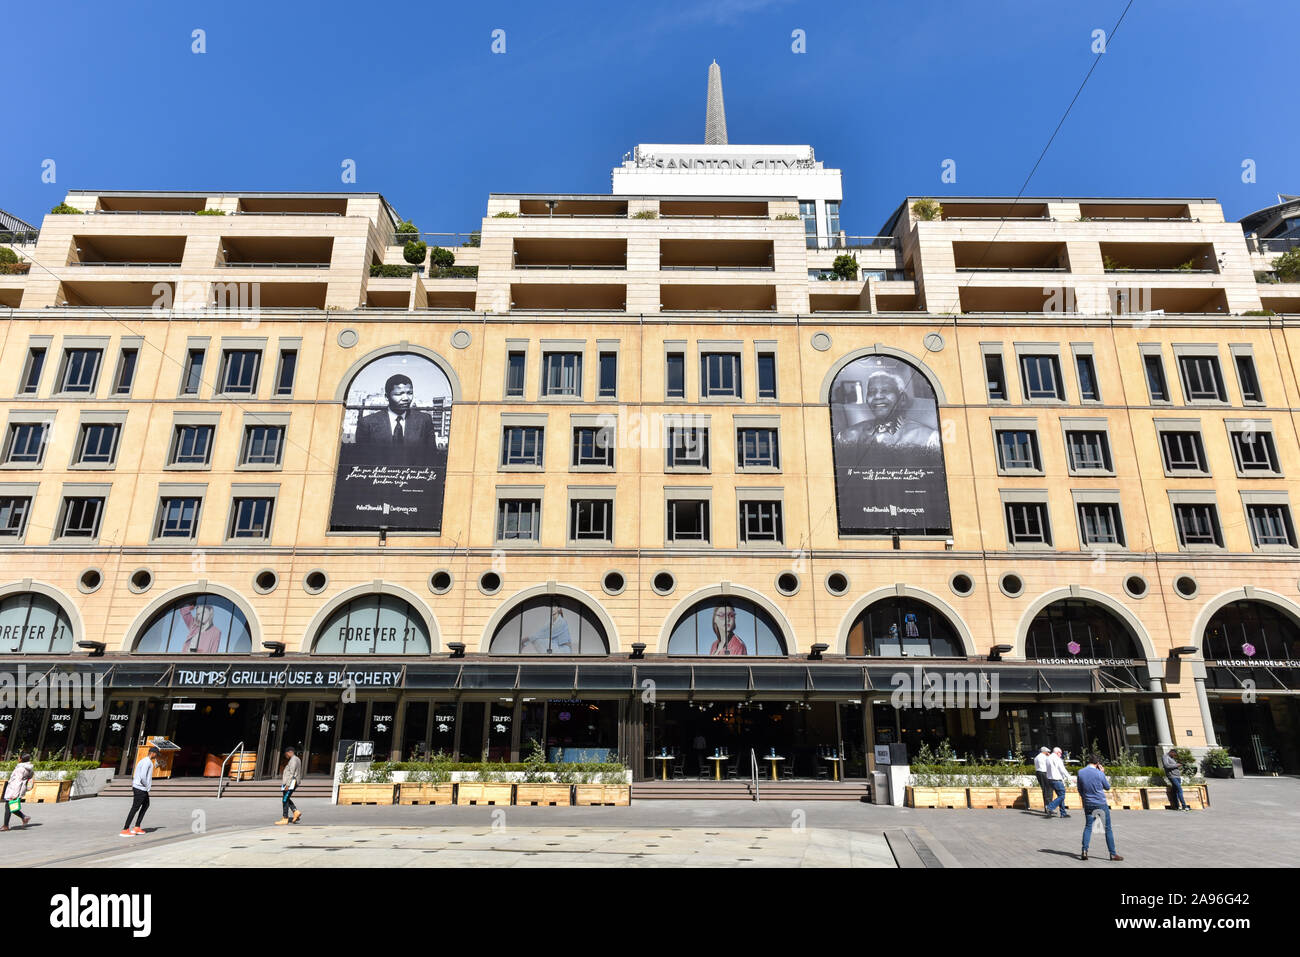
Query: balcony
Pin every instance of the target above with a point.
(1158, 257)
(150, 205)
(995, 299)
(1135, 212)
(292, 206)
(12, 298)
(842, 241)
(716, 255)
(1010, 257)
(897, 303)
(459, 299)
(159, 252)
(838, 302)
(605, 297)
(1025, 210)
(573, 208)
(117, 294)
(268, 295)
(570, 254)
(717, 298)
(1177, 301)
(275, 252)
(711, 209)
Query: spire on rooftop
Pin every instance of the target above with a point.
(715, 116)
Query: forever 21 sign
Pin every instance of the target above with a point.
(288, 678)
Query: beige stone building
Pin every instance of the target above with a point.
(1046, 447)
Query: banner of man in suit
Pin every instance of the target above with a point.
(393, 450)
(889, 471)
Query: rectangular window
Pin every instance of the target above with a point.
(1088, 450)
(192, 445)
(284, 375)
(995, 377)
(193, 372)
(1157, 387)
(833, 218)
(522, 445)
(757, 448)
(1202, 381)
(518, 520)
(720, 375)
(81, 516)
(760, 521)
(1183, 451)
(1271, 525)
(515, 375)
(80, 370)
(593, 447)
(808, 213)
(25, 444)
(675, 376)
(1041, 377)
(688, 520)
(14, 510)
(688, 448)
(767, 375)
(1249, 381)
(1198, 525)
(1018, 449)
(1099, 524)
(608, 374)
(1027, 523)
(124, 378)
(97, 443)
(1254, 451)
(239, 371)
(562, 373)
(1089, 391)
(591, 520)
(251, 518)
(178, 518)
(32, 371)
(263, 445)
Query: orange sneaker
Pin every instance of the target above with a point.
(137, 830)
(126, 832)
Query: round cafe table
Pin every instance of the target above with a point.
(835, 767)
(717, 760)
(663, 760)
(773, 759)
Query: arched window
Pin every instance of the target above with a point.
(375, 624)
(903, 626)
(1251, 631)
(550, 625)
(31, 623)
(1073, 629)
(200, 624)
(726, 626)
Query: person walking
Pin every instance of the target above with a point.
(141, 783)
(288, 784)
(1174, 774)
(1040, 772)
(1093, 785)
(21, 779)
(1059, 779)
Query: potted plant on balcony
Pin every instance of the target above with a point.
(845, 267)
(65, 209)
(539, 785)
(428, 782)
(405, 232)
(1287, 266)
(927, 210)
(11, 263)
(440, 261)
(415, 251)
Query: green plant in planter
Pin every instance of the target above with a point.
(1186, 267)
(441, 258)
(1287, 265)
(504, 214)
(1186, 763)
(535, 767)
(7, 256)
(209, 212)
(473, 240)
(391, 270)
(1259, 312)
(927, 210)
(646, 214)
(405, 231)
(1108, 262)
(783, 216)
(845, 266)
(64, 208)
(415, 251)
(1218, 760)
(381, 772)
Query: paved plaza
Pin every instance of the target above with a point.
(1252, 823)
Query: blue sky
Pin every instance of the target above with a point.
(435, 121)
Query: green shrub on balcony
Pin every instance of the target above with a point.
(786, 216)
(415, 251)
(63, 208)
(1109, 262)
(453, 272)
(505, 215)
(7, 255)
(441, 257)
(845, 266)
(405, 232)
(646, 214)
(210, 212)
(391, 270)
(473, 240)
(1287, 265)
(927, 210)
(1259, 312)
(1186, 267)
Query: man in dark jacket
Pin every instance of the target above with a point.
(399, 435)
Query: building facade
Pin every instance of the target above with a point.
(646, 471)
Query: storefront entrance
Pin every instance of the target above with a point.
(208, 729)
(1265, 734)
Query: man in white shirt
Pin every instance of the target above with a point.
(141, 782)
(1040, 772)
(1059, 778)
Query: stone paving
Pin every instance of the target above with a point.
(1252, 823)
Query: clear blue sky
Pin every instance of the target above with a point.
(435, 121)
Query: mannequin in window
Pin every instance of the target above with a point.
(204, 637)
(726, 641)
(553, 638)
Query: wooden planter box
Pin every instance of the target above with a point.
(477, 792)
(424, 793)
(608, 795)
(1129, 799)
(982, 797)
(1034, 797)
(921, 797)
(1159, 799)
(49, 792)
(367, 793)
(953, 797)
(558, 795)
